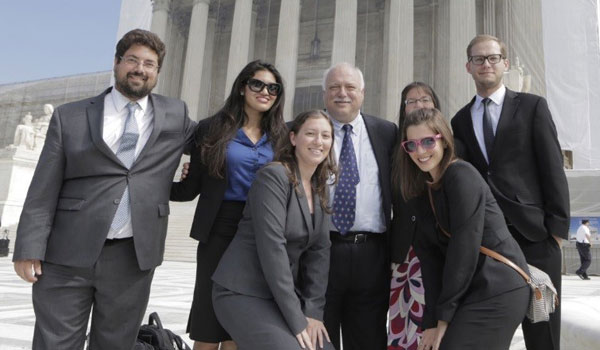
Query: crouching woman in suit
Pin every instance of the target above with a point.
(472, 301)
(269, 287)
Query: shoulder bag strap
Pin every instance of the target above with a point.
(483, 250)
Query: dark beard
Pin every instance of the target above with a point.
(133, 92)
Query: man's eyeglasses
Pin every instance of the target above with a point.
(427, 143)
(423, 100)
(133, 61)
(274, 89)
(492, 59)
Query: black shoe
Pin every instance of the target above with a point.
(580, 275)
(585, 277)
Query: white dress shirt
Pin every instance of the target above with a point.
(115, 115)
(583, 232)
(369, 211)
(495, 108)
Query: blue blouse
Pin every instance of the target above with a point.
(244, 158)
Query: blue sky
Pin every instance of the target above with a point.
(51, 38)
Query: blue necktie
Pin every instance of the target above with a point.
(488, 129)
(344, 201)
(126, 154)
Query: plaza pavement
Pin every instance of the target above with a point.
(172, 295)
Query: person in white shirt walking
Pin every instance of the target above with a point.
(584, 240)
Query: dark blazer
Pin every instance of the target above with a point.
(199, 181)
(383, 134)
(79, 181)
(526, 172)
(276, 253)
(454, 272)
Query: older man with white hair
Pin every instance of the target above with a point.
(358, 289)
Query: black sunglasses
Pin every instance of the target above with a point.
(274, 89)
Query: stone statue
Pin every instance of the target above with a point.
(41, 125)
(516, 78)
(25, 133)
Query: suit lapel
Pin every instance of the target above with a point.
(509, 108)
(159, 119)
(95, 115)
(472, 139)
(303, 203)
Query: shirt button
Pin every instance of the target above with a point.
(413, 218)
(117, 201)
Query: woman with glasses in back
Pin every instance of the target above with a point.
(472, 300)
(406, 290)
(231, 147)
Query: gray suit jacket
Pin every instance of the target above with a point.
(276, 253)
(79, 181)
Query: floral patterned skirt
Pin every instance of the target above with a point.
(407, 302)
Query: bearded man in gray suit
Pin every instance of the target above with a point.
(94, 222)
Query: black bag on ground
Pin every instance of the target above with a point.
(153, 336)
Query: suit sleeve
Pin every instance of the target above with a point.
(268, 198)
(315, 272)
(37, 216)
(191, 186)
(465, 200)
(189, 132)
(553, 180)
(432, 265)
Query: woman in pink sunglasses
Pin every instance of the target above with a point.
(471, 300)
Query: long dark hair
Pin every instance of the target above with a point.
(407, 179)
(231, 117)
(420, 85)
(286, 154)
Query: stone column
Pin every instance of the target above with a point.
(525, 40)
(398, 55)
(344, 32)
(489, 17)
(240, 41)
(160, 26)
(456, 28)
(194, 57)
(206, 83)
(286, 56)
(160, 18)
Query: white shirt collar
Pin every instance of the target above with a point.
(120, 101)
(356, 124)
(497, 97)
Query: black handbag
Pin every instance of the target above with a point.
(154, 336)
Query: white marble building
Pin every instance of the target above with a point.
(393, 41)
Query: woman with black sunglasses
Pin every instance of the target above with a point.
(231, 147)
(471, 300)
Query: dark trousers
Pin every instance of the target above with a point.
(358, 294)
(547, 256)
(585, 256)
(114, 287)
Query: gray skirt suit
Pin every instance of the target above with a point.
(274, 273)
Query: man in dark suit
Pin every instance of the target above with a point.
(511, 139)
(358, 288)
(94, 222)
